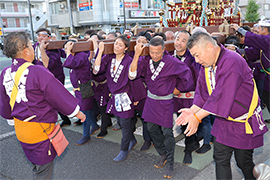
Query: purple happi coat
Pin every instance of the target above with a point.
(233, 84)
(44, 95)
(118, 82)
(79, 66)
(161, 82)
(252, 55)
(138, 89)
(55, 63)
(261, 42)
(184, 101)
(100, 86)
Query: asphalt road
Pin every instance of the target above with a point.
(94, 160)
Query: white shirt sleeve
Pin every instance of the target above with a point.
(132, 75)
(96, 69)
(77, 109)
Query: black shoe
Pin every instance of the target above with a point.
(203, 149)
(267, 120)
(161, 161)
(146, 145)
(102, 134)
(195, 147)
(78, 122)
(109, 125)
(65, 123)
(169, 172)
(187, 158)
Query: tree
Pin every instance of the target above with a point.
(252, 14)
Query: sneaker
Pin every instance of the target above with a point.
(146, 145)
(187, 158)
(83, 140)
(94, 129)
(161, 161)
(203, 149)
(169, 172)
(65, 123)
(78, 122)
(132, 143)
(121, 156)
(102, 134)
(116, 127)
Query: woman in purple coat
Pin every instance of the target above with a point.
(121, 103)
(79, 66)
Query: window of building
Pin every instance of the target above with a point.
(266, 7)
(154, 4)
(2, 7)
(22, 6)
(9, 7)
(54, 8)
(24, 22)
(11, 22)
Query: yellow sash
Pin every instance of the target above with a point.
(28, 132)
(253, 104)
(32, 132)
(17, 79)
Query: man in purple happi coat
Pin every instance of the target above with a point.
(260, 42)
(226, 89)
(39, 98)
(185, 100)
(161, 72)
(50, 59)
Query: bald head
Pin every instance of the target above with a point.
(169, 35)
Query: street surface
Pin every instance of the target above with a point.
(94, 160)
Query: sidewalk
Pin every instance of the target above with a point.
(202, 163)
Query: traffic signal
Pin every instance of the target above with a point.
(1, 32)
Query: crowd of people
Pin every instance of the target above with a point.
(217, 90)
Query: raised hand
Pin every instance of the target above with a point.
(101, 47)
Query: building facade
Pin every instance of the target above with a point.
(107, 15)
(14, 15)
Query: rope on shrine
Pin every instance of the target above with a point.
(235, 11)
(204, 16)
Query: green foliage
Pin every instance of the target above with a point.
(252, 14)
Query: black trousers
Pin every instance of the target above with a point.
(105, 118)
(266, 99)
(128, 126)
(163, 140)
(190, 141)
(222, 157)
(43, 171)
(64, 118)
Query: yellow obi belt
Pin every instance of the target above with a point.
(32, 132)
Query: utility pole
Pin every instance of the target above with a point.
(124, 9)
(70, 17)
(30, 20)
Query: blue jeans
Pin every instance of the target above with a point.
(89, 121)
(205, 129)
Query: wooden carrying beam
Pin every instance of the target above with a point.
(55, 44)
(108, 46)
(169, 46)
(82, 46)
